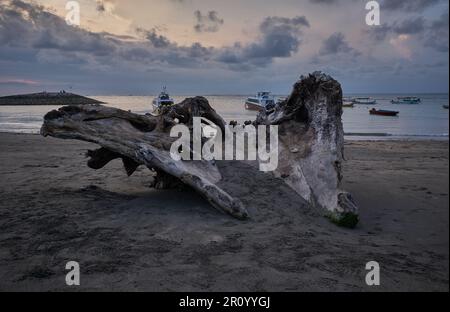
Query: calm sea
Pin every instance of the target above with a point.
(428, 120)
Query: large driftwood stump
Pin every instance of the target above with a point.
(310, 145)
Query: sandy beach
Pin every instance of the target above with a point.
(127, 236)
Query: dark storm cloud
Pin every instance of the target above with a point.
(437, 34)
(210, 22)
(411, 26)
(393, 5)
(409, 5)
(335, 44)
(379, 33)
(31, 28)
(280, 37)
(433, 34)
(324, 1)
(158, 41)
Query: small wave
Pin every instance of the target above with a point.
(396, 136)
(444, 135)
(368, 134)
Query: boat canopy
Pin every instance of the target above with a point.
(164, 96)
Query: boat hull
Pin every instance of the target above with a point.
(160, 104)
(405, 102)
(384, 113)
(253, 106)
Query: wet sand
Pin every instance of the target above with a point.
(127, 236)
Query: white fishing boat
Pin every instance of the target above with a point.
(260, 102)
(348, 105)
(348, 102)
(364, 100)
(163, 99)
(406, 100)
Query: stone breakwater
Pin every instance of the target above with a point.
(47, 98)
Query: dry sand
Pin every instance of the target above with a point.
(126, 236)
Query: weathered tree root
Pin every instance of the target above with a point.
(144, 140)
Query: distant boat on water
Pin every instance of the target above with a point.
(406, 100)
(382, 112)
(364, 100)
(260, 102)
(348, 104)
(163, 99)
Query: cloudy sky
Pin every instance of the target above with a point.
(222, 47)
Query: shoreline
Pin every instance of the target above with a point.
(127, 236)
(347, 137)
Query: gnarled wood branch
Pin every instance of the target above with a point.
(145, 140)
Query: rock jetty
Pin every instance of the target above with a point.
(47, 98)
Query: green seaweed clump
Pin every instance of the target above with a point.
(347, 220)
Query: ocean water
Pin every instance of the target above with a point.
(428, 120)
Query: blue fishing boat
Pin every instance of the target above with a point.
(406, 100)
